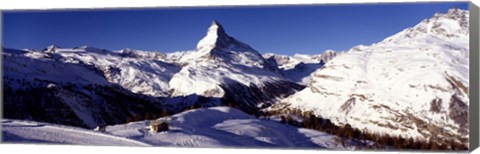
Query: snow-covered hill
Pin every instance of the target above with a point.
(17, 131)
(226, 127)
(413, 84)
(206, 127)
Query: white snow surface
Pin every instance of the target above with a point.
(205, 127)
(226, 127)
(18, 131)
(395, 78)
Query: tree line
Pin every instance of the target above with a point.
(347, 132)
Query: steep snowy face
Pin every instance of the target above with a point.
(413, 84)
(216, 37)
(217, 45)
(219, 62)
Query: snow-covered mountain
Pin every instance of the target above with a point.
(286, 62)
(93, 86)
(299, 66)
(225, 68)
(413, 84)
(138, 71)
(141, 72)
(73, 86)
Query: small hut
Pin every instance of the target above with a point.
(101, 128)
(158, 126)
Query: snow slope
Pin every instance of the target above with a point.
(226, 127)
(206, 127)
(413, 83)
(16, 131)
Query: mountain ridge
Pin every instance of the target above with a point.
(413, 83)
(94, 79)
(408, 85)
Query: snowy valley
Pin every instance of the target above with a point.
(224, 93)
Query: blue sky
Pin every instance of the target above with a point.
(307, 29)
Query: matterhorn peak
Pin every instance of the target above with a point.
(216, 29)
(215, 23)
(216, 37)
(218, 46)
